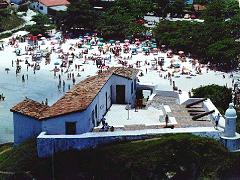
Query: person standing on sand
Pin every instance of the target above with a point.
(46, 101)
(166, 120)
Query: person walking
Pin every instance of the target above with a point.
(217, 118)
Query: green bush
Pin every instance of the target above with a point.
(221, 96)
(182, 156)
(23, 8)
(2, 36)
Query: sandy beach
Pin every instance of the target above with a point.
(44, 83)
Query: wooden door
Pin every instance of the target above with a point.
(120, 94)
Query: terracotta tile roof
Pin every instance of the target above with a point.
(129, 73)
(49, 3)
(78, 98)
(30, 108)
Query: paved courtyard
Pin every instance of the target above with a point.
(153, 115)
(180, 112)
(119, 117)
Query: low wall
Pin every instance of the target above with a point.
(49, 144)
(209, 106)
(191, 100)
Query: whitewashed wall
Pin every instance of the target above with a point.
(25, 128)
(118, 80)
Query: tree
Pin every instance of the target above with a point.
(215, 11)
(176, 7)
(202, 2)
(79, 15)
(43, 24)
(221, 96)
(225, 52)
(119, 21)
(231, 8)
(135, 8)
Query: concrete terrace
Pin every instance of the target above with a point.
(180, 112)
(152, 116)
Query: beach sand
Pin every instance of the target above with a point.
(42, 84)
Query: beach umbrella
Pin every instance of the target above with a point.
(90, 48)
(100, 39)
(100, 44)
(56, 63)
(39, 35)
(180, 52)
(177, 65)
(153, 40)
(145, 48)
(154, 46)
(137, 42)
(126, 41)
(111, 41)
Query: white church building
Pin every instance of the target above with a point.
(80, 109)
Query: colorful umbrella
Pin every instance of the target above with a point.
(111, 41)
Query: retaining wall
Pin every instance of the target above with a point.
(49, 144)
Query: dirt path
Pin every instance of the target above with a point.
(5, 150)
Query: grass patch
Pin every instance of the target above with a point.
(11, 21)
(181, 156)
(5, 35)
